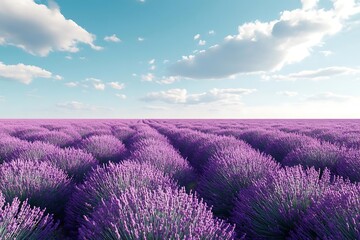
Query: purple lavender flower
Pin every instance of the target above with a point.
(43, 185)
(271, 208)
(36, 151)
(105, 148)
(318, 155)
(335, 216)
(10, 147)
(54, 137)
(349, 166)
(229, 171)
(165, 158)
(19, 221)
(281, 144)
(111, 179)
(75, 162)
(147, 214)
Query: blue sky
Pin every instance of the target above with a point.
(179, 59)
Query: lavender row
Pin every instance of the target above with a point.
(292, 149)
(281, 205)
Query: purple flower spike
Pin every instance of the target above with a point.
(42, 184)
(111, 179)
(272, 207)
(148, 214)
(19, 221)
(229, 171)
(335, 216)
(105, 148)
(75, 162)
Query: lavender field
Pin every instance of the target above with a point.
(179, 179)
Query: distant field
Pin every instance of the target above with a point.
(179, 179)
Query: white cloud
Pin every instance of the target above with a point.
(152, 61)
(202, 42)
(268, 46)
(197, 36)
(148, 77)
(121, 96)
(72, 84)
(288, 93)
(328, 96)
(326, 53)
(40, 29)
(211, 32)
(168, 79)
(99, 86)
(79, 106)
(152, 68)
(96, 83)
(141, 39)
(112, 38)
(309, 4)
(25, 73)
(116, 85)
(68, 57)
(319, 74)
(181, 96)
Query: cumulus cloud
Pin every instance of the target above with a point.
(197, 36)
(96, 83)
(72, 84)
(181, 96)
(211, 32)
(202, 42)
(318, 74)
(141, 39)
(112, 38)
(328, 96)
(268, 46)
(152, 61)
(147, 77)
(40, 29)
(121, 96)
(288, 93)
(25, 73)
(79, 106)
(116, 85)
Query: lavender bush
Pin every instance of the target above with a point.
(105, 148)
(229, 171)
(271, 208)
(147, 214)
(111, 179)
(320, 156)
(75, 162)
(42, 184)
(335, 216)
(19, 221)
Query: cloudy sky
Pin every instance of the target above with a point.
(179, 59)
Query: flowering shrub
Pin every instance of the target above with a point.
(10, 147)
(229, 171)
(335, 216)
(316, 155)
(349, 166)
(20, 221)
(163, 157)
(36, 151)
(105, 148)
(42, 184)
(271, 208)
(281, 144)
(75, 162)
(110, 179)
(148, 214)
